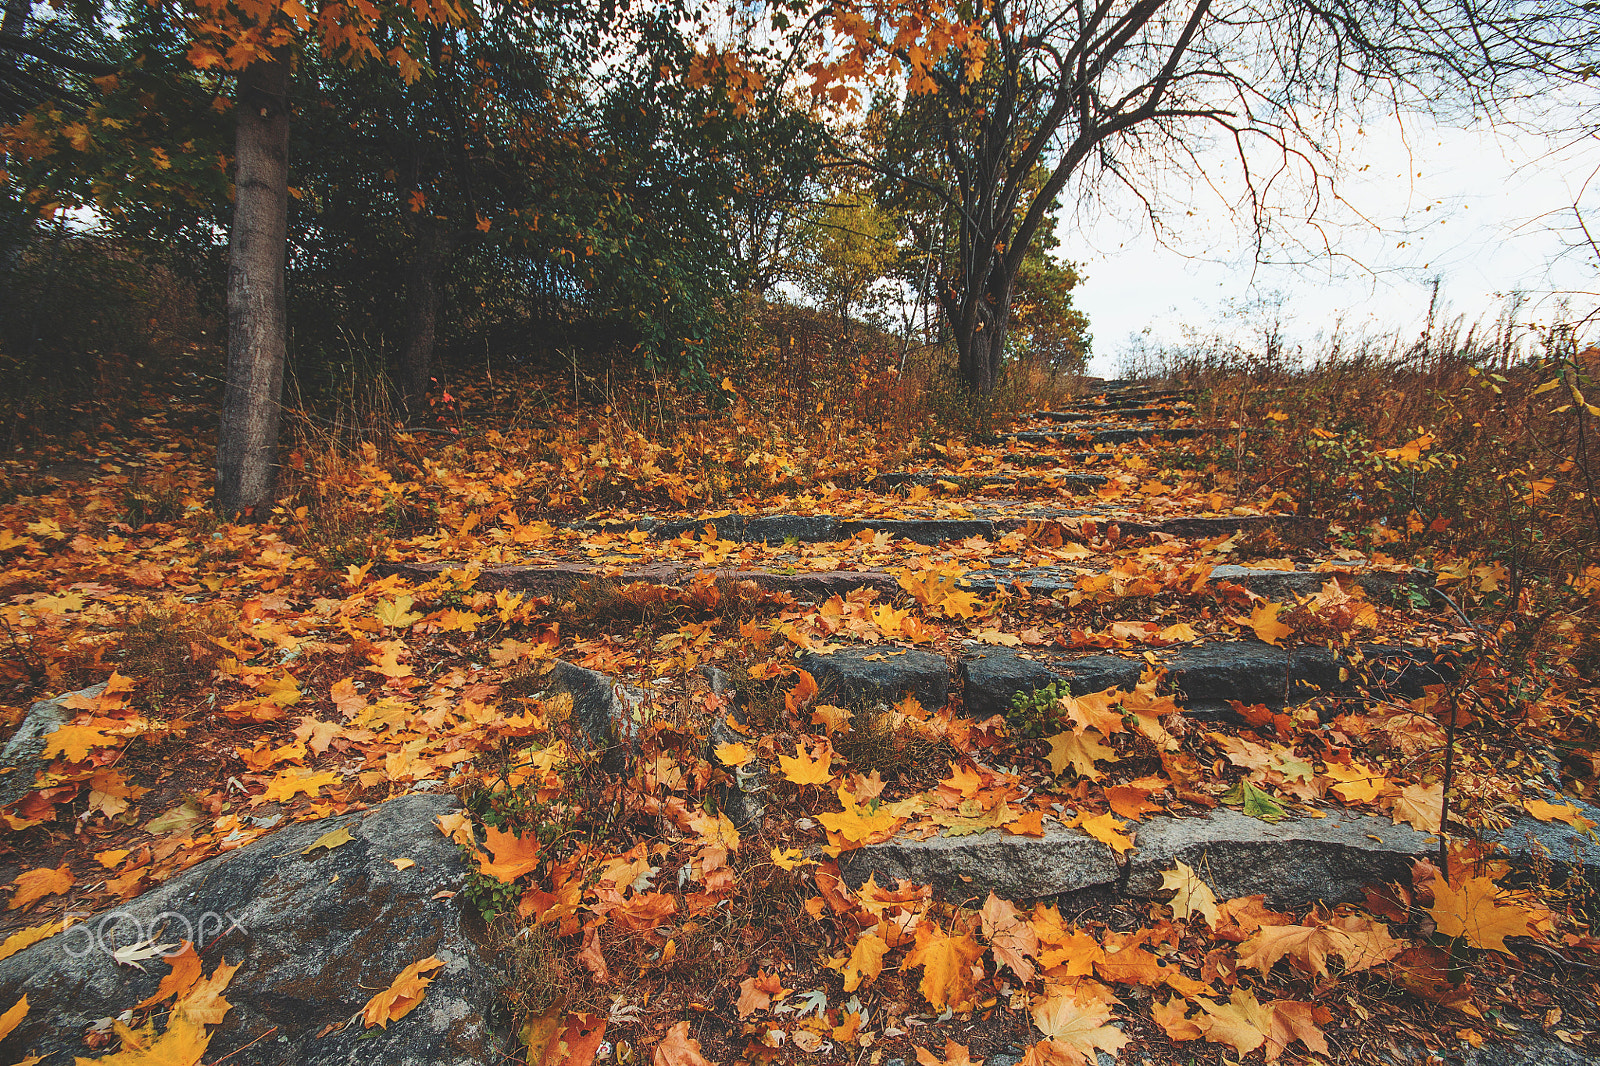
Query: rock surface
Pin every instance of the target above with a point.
(1203, 677)
(1293, 862)
(1534, 844)
(314, 936)
(1013, 867)
(20, 757)
(607, 711)
(881, 673)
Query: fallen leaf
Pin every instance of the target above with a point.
(513, 855)
(19, 1010)
(946, 961)
(866, 961)
(954, 1055)
(1010, 935)
(402, 995)
(1078, 1027)
(1079, 751)
(333, 838)
(1475, 909)
(1242, 1023)
(1264, 620)
(1191, 895)
(37, 884)
(808, 767)
(678, 1048)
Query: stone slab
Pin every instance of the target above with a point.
(1203, 677)
(20, 759)
(1534, 844)
(879, 673)
(314, 937)
(966, 867)
(1293, 863)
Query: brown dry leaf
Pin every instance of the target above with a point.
(590, 958)
(1011, 937)
(1077, 1025)
(946, 963)
(1242, 1023)
(758, 992)
(402, 996)
(954, 1055)
(678, 1048)
(1293, 1021)
(1427, 973)
(1191, 895)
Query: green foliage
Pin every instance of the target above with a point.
(1032, 714)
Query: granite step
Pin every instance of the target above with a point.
(1088, 415)
(1071, 480)
(1205, 677)
(990, 522)
(1101, 435)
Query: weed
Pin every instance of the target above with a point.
(175, 649)
(1034, 713)
(889, 743)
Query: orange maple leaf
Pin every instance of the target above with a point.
(946, 962)
(1011, 936)
(513, 855)
(678, 1048)
(1264, 620)
(954, 1055)
(402, 995)
(808, 768)
(37, 884)
(1475, 909)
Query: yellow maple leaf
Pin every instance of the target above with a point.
(790, 859)
(857, 825)
(13, 1017)
(1106, 828)
(1079, 751)
(1356, 783)
(734, 754)
(74, 742)
(1264, 620)
(1242, 1023)
(402, 996)
(808, 768)
(1191, 895)
(286, 784)
(954, 1055)
(396, 613)
(866, 961)
(25, 938)
(946, 962)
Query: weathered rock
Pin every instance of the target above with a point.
(1013, 867)
(743, 799)
(1090, 415)
(20, 759)
(921, 530)
(1556, 847)
(1097, 435)
(314, 937)
(926, 477)
(1204, 677)
(1293, 862)
(604, 709)
(881, 673)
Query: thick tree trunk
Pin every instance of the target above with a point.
(247, 440)
(424, 294)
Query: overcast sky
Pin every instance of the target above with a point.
(1487, 209)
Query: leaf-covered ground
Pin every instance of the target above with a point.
(311, 664)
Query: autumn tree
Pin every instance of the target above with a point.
(1102, 94)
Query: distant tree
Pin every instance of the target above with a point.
(849, 243)
(1115, 90)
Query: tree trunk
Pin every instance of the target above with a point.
(423, 297)
(247, 440)
(978, 323)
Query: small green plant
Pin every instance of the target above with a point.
(1032, 713)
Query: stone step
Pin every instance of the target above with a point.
(899, 479)
(1100, 435)
(1204, 677)
(1295, 862)
(554, 578)
(1133, 397)
(1089, 414)
(991, 521)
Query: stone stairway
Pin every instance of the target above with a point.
(1027, 514)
